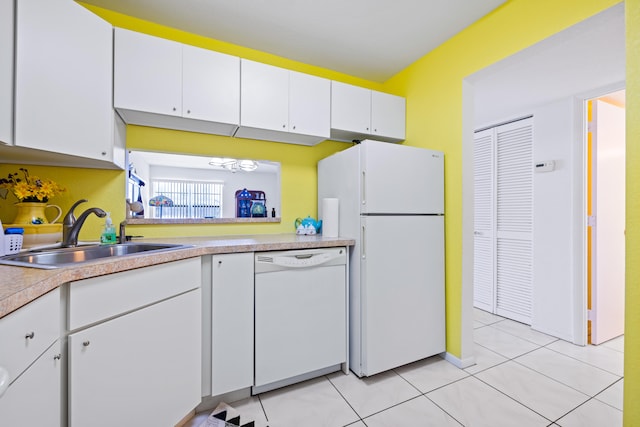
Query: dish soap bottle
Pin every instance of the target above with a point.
(108, 236)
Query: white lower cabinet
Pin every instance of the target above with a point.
(31, 364)
(33, 399)
(143, 366)
(232, 322)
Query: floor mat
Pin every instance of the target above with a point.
(226, 416)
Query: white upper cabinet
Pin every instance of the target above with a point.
(387, 116)
(6, 71)
(147, 73)
(282, 105)
(264, 101)
(350, 110)
(309, 105)
(210, 85)
(63, 82)
(166, 84)
(359, 113)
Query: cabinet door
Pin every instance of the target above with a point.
(6, 71)
(64, 68)
(309, 104)
(264, 100)
(142, 368)
(147, 73)
(34, 398)
(350, 108)
(232, 322)
(210, 85)
(27, 332)
(387, 115)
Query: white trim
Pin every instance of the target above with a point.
(457, 362)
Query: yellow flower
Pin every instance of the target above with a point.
(32, 188)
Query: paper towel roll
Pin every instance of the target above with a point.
(330, 217)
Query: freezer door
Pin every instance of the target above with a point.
(401, 179)
(402, 290)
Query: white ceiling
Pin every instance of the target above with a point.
(371, 39)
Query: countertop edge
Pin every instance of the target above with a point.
(21, 285)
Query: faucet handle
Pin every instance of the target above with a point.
(70, 218)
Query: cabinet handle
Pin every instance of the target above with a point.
(284, 126)
(104, 153)
(219, 262)
(57, 357)
(86, 343)
(188, 111)
(294, 128)
(30, 335)
(174, 108)
(375, 130)
(367, 129)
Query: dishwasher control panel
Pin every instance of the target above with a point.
(305, 258)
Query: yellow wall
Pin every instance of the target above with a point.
(632, 298)
(102, 188)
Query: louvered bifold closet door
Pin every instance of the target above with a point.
(514, 220)
(483, 221)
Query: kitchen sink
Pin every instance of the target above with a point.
(64, 257)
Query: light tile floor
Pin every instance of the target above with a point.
(521, 377)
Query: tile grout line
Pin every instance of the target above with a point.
(586, 363)
(553, 422)
(345, 399)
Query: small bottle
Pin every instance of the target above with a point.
(108, 235)
(273, 212)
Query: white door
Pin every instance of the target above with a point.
(309, 104)
(401, 179)
(402, 294)
(142, 368)
(147, 73)
(350, 108)
(608, 286)
(483, 221)
(503, 244)
(388, 115)
(210, 85)
(264, 96)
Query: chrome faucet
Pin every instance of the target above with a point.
(71, 226)
(122, 238)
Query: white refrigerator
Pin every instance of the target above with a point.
(391, 201)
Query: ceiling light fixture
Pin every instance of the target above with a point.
(233, 164)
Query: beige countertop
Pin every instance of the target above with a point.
(21, 285)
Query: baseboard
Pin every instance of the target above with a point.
(457, 362)
(210, 402)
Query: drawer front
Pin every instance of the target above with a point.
(99, 298)
(26, 333)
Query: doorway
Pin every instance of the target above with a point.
(589, 55)
(605, 176)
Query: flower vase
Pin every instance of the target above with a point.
(34, 213)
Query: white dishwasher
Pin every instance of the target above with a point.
(301, 315)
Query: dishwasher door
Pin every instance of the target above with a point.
(300, 314)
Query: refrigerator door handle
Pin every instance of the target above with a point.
(364, 197)
(363, 243)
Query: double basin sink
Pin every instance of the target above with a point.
(64, 257)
